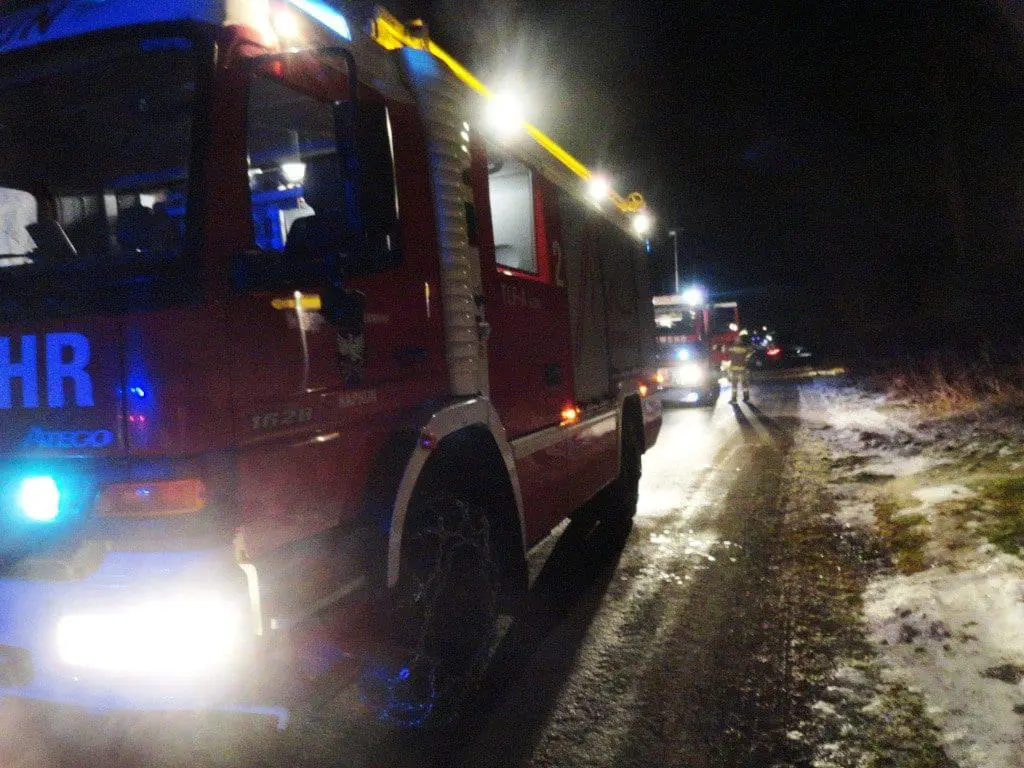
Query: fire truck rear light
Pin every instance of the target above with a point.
(570, 415)
(162, 498)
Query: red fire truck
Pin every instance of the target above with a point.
(289, 347)
(693, 335)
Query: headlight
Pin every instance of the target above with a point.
(690, 374)
(178, 637)
(39, 499)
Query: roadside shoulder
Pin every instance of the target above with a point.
(847, 709)
(944, 501)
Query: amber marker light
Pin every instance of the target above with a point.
(570, 415)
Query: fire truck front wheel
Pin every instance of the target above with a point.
(443, 615)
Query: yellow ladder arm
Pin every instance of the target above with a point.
(391, 34)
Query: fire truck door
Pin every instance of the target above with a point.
(292, 370)
(529, 349)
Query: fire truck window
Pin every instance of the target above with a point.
(676, 319)
(512, 216)
(95, 144)
(294, 170)
(721, 318)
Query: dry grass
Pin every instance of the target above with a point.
(905, 534)
(947, 387)
(1005, 524)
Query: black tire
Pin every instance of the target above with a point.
(617, 503)
(443, 617)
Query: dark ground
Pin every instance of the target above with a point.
(700, 639)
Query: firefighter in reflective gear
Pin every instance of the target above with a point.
(739, 358)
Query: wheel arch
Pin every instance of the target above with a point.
(465, 435)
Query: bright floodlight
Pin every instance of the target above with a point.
(185, 636)
(693, 296)
(642, 223)
(286, 25)
(506, 115)
(39, 499)
(294, 173)
(599, 188)
(690, 374)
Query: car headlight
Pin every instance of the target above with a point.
(690, 374)
(172, 638)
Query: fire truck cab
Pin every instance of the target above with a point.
(693, 337)
(289, 348)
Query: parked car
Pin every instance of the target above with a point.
(771, 351)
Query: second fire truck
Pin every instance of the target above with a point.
(693, 335)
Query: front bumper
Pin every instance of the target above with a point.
(86, 643)
(687, 383)
(682, 395)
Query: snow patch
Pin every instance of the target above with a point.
(856, 514)
(899, 466)
(937, 494)
(949, 634)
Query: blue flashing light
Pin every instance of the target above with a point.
(326, 15)
(39, 499)
(137, 391)
(683, 354)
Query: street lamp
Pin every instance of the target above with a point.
(675, 255)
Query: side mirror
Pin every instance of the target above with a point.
(371, 197)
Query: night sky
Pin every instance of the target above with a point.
(853, 172)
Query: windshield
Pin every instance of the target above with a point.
(675, 320)
(724, 319)
(94, 154)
